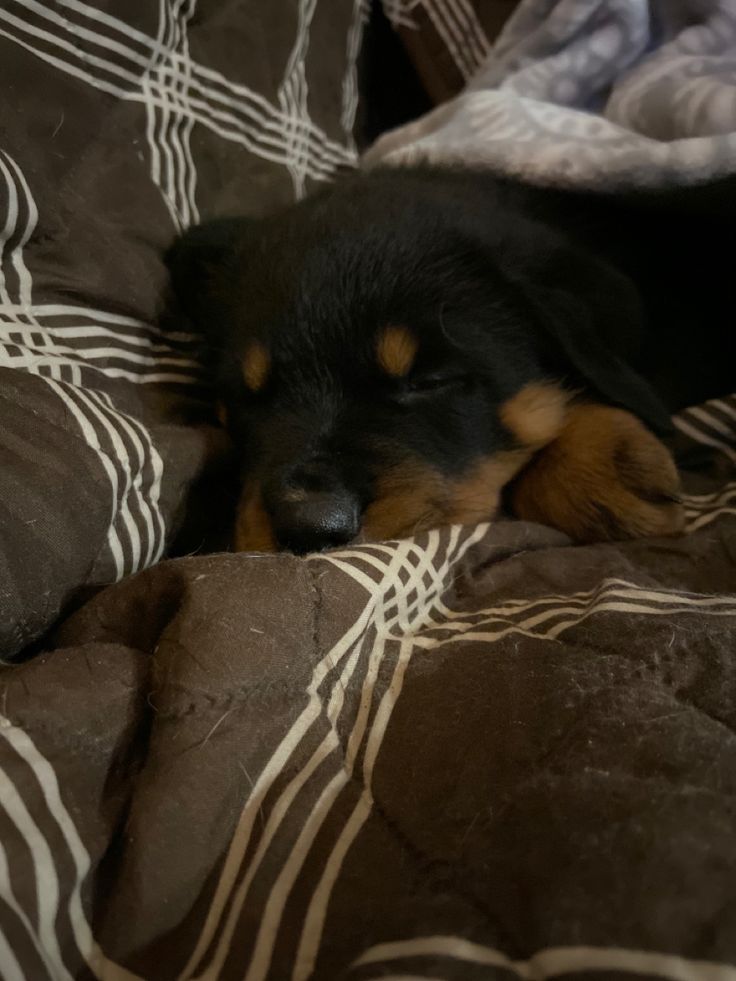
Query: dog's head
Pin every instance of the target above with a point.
(389, 353)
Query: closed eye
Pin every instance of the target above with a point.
(425, 386)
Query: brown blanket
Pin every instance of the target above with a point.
(482, 753)
(485, 753)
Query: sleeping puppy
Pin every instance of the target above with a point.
(403, 348)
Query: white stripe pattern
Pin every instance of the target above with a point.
(703, 509)
(388, 603)
(404, 602)
(399, 12)
(29, 341)
(712, 424)
(133, 466)
(456, 23)
(200, 94)
(95, 352)
(703, 425)
(547, 617)
(523, 616)
(29, 820)
(168, 129)
(552, 962)
(293, 95)
(386, 614)
(350, 93)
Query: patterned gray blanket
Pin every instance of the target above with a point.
(593, 92)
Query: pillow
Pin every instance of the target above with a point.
(122, 123)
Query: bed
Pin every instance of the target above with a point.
(481, 753)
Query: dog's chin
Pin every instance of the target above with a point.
(410, 499)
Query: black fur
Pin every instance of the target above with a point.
(628, 299)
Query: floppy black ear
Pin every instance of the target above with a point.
(594, 318)
(200, 263)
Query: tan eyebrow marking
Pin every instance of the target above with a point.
(396, 349)
(256, 365)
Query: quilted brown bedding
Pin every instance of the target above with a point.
(484, 753)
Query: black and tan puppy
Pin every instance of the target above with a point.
(395, 351)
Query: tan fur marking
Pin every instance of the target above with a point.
(396, 349)
(253, 530)
(408, 499)
(477, 495)
(256, 365)
(536, 414)
(605, 478)
(221, 414)
(415, 497)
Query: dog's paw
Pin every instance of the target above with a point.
(605, 478)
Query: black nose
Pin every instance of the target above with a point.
(310, 521)
(311, 508)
